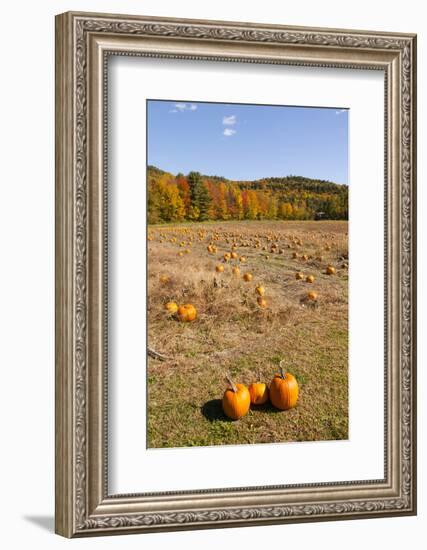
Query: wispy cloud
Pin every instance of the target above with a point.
(181, 107)
(339, 111)
(229, 120)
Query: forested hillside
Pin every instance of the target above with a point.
(196, 197)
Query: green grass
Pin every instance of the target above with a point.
(185, 408)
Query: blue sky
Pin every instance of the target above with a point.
(246, 142)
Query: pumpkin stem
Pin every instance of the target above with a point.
(230, 381)
(282, 372)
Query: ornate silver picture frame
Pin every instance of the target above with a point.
(84, 506)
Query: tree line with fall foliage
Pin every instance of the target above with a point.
(195, 197)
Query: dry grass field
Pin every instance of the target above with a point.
(234, 334)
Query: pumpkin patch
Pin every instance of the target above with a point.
(217, 304)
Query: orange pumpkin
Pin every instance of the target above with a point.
(284, 390)
(299, 276)
(219, 268)
(262, 302)
(312, 295)
(247, 277)
(171, 307)
(258, 392)
(310, 279)
(260, 290)
(236, 271)
(330, 270)
(187, 313)
(236, 400)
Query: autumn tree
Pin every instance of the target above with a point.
(285, 211)
(164, 201)
(222, 201)
(184, 191)
(273, 207)
(252, 210)
(234, 203)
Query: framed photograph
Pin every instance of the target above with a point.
(235, 274)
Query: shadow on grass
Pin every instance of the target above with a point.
(212, 410)
(266, 408)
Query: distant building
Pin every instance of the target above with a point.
(319, 215)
